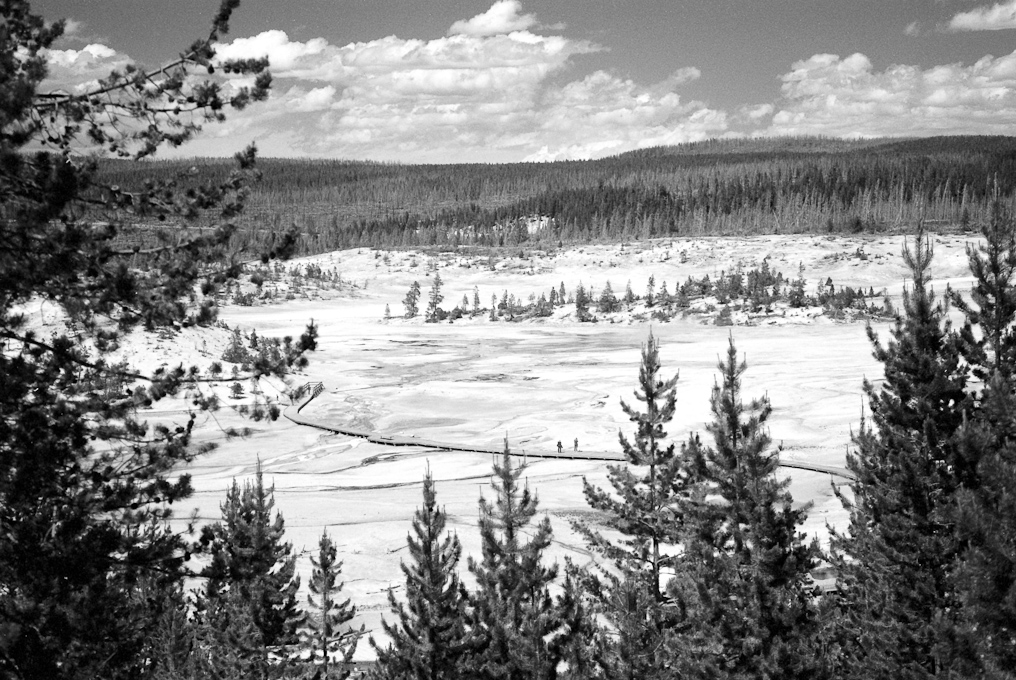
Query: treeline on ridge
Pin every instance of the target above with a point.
(785, 185)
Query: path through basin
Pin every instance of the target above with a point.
(312, 390)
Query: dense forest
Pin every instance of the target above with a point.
(788, 185)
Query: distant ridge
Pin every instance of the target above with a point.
(830, 145)
(729, 186)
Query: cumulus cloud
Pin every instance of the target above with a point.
(73, 27)
(846, 97)
(76, 70)
(602, 114)
(757, 112)
(284, 55)
(912, 29)
(502, 17)
(491, 90)
(318, 99)
(999, 16)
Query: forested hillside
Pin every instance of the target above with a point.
(782, 185)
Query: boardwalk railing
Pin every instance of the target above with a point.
(312, 390)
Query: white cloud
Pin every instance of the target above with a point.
(318, 99)
(757, 112)
(913, 29)
(492, 90)
(283, 54)
(76, 70)
(502, 17)
(603, 114)
(831, 96)
(999, 16)
(73, 27)
(460, 97)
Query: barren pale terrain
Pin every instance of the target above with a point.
(536, 382)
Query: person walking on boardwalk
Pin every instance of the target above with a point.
(576, 443)
(560, 448)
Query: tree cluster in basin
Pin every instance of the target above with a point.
(758, 290)
(264, 283)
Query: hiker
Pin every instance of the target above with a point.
(560, 448)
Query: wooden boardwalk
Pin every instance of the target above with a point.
(292, 412)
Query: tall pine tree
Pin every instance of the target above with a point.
(86, 488)
(325, 631)
(985, 575)
(432, 635)
(646, 505)
(250, 559)
(745, 572)
(894, 561)
(515, 615)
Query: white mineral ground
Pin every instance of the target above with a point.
(474, 381)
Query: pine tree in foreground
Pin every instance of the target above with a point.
(745, 568)
(327, 616)
(581, 646)
(646, 505)
(431, 637)
(250, 558)
(985, 575)
(519, 624)
(86, 487)
(894, 561)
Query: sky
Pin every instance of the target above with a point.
(441, 81)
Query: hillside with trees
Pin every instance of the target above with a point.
(792, 185)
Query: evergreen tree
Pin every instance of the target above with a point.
(796, 296)
(517, 620)
(607, 303)
(433, 309)
(412, 299)
(582, 642)
(324, 621)
(745, 569)
(664, 297)
(236, 352)
(250, 559)
(993, 265)
(86, 489)
(172, 644)
(985, 575)
(894, 561)
(983, 578)
(646, 506)
(476, 300)
(651, 291)
(629, 295)
(582, 304)
(431, 638)
(228, 642)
